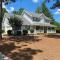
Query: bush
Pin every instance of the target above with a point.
(18, 33)
(14, 33)
(57, 31)
(25, 32)
(9, 32)
(1, 31)
(32, 31)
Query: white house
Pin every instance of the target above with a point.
(31, 21)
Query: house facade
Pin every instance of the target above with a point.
(39, 23)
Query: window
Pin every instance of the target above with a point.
(47, 21)
(37, 27)
(36, 19)
(41, 28)
(49, 28)
(27, 27)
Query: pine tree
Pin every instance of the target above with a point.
(38, 10)
(46, 11)
(19, 12)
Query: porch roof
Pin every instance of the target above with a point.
(44, 24)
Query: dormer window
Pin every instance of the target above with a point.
(36, 19)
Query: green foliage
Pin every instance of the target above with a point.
(15, 22)
(4, 10)
(8, 1)
(56, 4)
(1, 31)
(15, 12)
(19, 33)
(38, 10)
(32, 31)
(46, 11)
(19, 12)
(25, 32)
(9, 32)
(56, 24)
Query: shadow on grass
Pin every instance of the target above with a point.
(25, 54)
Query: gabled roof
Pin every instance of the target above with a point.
(31, 22)
(41, 15)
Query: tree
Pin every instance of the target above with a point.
(4, 11)
(15, 12)
(46, 11)
(38, 10)
(19, 11)
(1, 12)
(55, 5)
(15, 22)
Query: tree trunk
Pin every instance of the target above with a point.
(1, 19)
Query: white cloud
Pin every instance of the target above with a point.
(3, 5)
(35, 1)
(58, 11)
(9, 10)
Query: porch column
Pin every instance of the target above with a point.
(29, 30)
(43, 29)
(47, 29)
(35, 30)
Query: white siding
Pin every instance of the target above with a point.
(5, 25)
(51, 31)
(41, 21)
(44, 21)
(26, 20)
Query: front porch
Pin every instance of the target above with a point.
(42, 29)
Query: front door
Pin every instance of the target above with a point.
(45, 29)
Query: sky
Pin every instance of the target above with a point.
(31, 5)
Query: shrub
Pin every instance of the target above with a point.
(9, 32)
(25, 32)
(18, 33)
(32, 31)
(1, 31)
(14, 32)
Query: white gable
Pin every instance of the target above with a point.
(28, 19)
